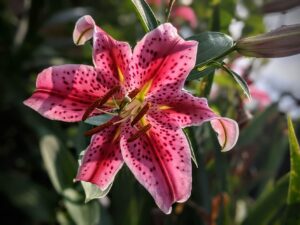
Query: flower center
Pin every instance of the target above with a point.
(130, 108)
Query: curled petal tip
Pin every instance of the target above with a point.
(228, 132)
(83, 30)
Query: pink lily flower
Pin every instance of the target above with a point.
(144, 89)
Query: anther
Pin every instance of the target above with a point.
(141, 113)
(99, 128)
(99, 102)
(142, 131)
(133, 93)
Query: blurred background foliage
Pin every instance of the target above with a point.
(248, 185)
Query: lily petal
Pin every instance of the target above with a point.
(187, 110)
(163, 58)
(184, 108)
(228, 132)
(161, 161)
(102, 160)
(109, 55)
(64, 92)
(84, 29)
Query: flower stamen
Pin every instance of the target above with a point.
(99, 102)
(98, 128)
(141, 113)
(133, 93)
(142, 131)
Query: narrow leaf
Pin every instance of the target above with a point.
(294, 187)
(145, 14)
(187, 134)
(242, 83)
(268, 205)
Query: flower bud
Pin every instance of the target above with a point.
(284, 41)
(279, 5)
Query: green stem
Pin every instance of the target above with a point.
(169, 9)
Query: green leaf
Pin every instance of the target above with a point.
(294, 187)
(92, 191)
(59, 163)
(97, 120)
(268, 205)
(292, 215)
(212, 46)
(82, 214)
(145, 14)
(242, 83)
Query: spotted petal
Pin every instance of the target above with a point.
(161, 161)
(102, 159)
(109, 55)
(65, 92)
(163, 58)
(187, 110)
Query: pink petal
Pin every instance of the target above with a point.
(161, 162)
(64, 92)
(184, 108)
(109, 55)
(187, 110)
(163, 57)
(83, 30)
(102, 159)
(228, 132)
(186, 13)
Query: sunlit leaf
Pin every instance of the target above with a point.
(145, 14)
(294, 188)
(292, 215)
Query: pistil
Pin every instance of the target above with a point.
(98, 128)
